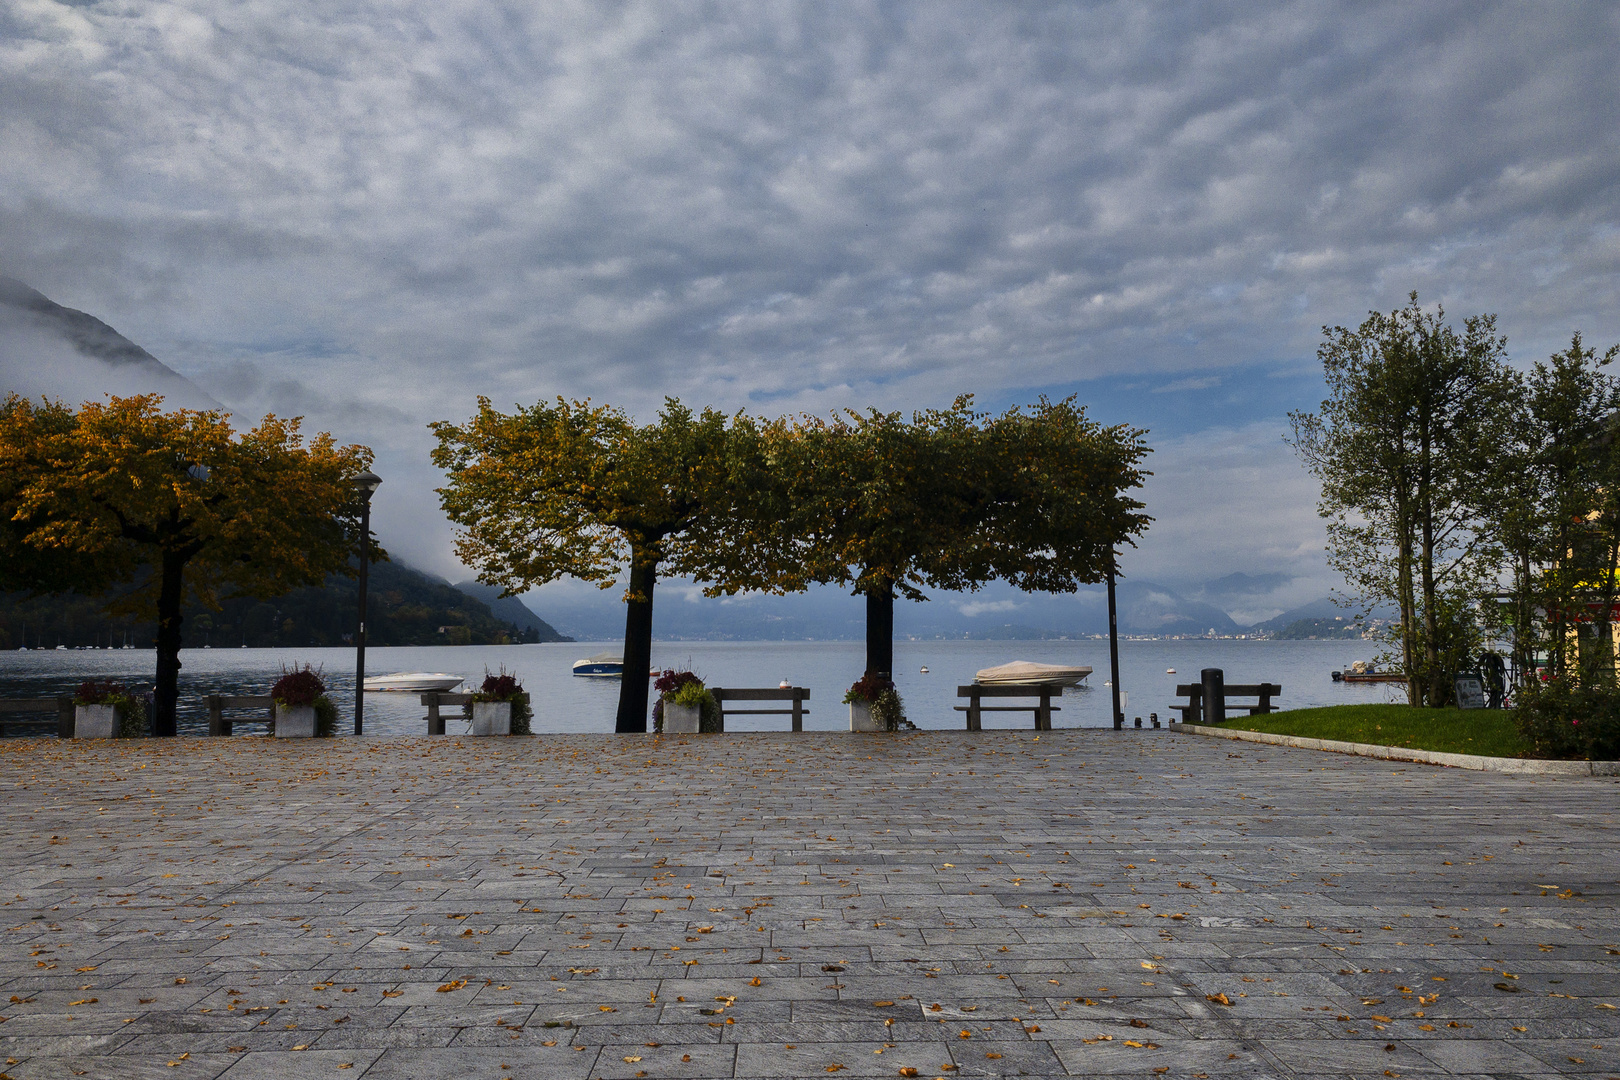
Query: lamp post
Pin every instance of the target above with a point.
(1113, 646)
(365, 485)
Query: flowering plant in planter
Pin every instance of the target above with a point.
(301, 687)
(685, 688)
(504, 686)
(881, 698)
(131, 709)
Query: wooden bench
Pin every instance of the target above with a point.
(435, 719)
(1043, 711)
(46, 710)
(798, 695)
(1193, 711)
(220, 724)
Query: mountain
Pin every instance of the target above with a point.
(54, 351)
(403, 607)
(511, 609)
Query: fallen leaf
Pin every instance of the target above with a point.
(1219, 999)
(451, 986)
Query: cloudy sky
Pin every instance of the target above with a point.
(370, 213)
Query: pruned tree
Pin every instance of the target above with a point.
(1403, 446)
(572, 489)
(123, 492)
(951, 499)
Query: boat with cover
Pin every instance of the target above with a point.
(602, 665)
(1022, 672)
(412, 682)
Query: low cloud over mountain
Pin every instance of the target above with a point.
(51, 351)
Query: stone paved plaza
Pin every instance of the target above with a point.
(772, 905)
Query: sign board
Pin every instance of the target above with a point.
(1470, 692)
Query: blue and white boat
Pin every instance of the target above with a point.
(601, 666)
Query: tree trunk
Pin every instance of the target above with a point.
(1408, 605)
(880, 628)
(638, 612)
(166, 691)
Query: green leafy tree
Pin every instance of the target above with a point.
(1403, 446)
(1556, 485)
(951, 499)
(572, 489)
(122, 493)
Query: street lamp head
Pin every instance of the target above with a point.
(367, 484)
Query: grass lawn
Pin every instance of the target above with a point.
(1454, 731)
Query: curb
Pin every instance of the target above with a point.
(1519, 766)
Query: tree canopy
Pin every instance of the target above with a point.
(581, 490)
(123, 492)
(949, 499)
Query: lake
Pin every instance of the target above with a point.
(564, 703)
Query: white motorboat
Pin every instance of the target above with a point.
(413, 682)
(1022, 672)
(602, 666)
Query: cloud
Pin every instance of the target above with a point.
(374, 213)
(1201, 382)
(974, 608)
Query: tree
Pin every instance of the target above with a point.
(1556, 483)
(1403, 447)
(171, 502)
(952, 499)
(580, 490)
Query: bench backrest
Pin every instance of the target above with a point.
(61, 706)
(1008, 689)
(773, 693)
(1196, 690)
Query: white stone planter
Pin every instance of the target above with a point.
(492, 718)
(295, 721)
(681, 719)
(96, 721)
(860, 717)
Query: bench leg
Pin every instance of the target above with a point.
(798, 714)
(1043, 713)
(973, 713)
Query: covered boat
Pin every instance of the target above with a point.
(1021, 672)
(408, 682)
(602, 665)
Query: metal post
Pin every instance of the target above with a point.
(1214, 693)
(366, 485)
(1113, 648)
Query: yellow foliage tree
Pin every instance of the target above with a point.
(124, 492)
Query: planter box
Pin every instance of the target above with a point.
(96, 721)
(295, 721)
(860, 717)
(681, 719)
(492, 718)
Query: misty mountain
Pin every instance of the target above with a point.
(1320, 608)
(510, 609)
(47, 350)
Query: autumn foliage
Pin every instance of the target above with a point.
(124, 493)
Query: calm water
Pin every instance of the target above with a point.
(565, 703)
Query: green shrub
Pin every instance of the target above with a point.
(326, 717)
(888, 709)
(1562, 720)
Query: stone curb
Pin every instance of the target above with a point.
(1521, 766)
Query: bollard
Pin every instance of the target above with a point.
(1138, 721)
(1153, 718)
(1214, 694)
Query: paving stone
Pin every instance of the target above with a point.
(787, 887)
